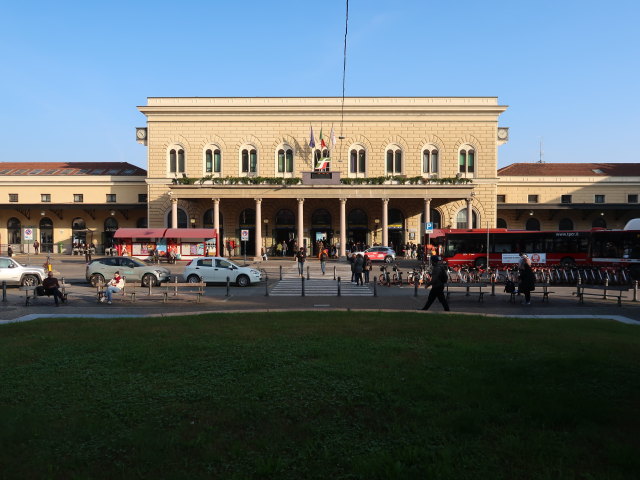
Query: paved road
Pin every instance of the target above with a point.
(321, 293)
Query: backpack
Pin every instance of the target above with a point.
(509, 286)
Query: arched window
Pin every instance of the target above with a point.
(247, 218)
(249, 160)
(321, 159)
(396, 218)
(358, 218)
(321, 218)
(430, 160)
(467, 160)
(357, 160)
(212, 160)
(285, 159)
(13, 230)
(434, 217)
(110, 224)
(176, 160)
(501, 223)
(79, 231)
(461, 219)
(46, 235)
(285, 218)
(183, 220)
(394, 160)
(207, 219)
(532, 224)
(599, 222)
(565, 224)
(142, 223)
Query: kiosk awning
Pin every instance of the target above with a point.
(139, 233)
(190, 233)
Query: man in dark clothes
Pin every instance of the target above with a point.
(52, 287)
(439, 278)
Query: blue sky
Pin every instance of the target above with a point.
(74, 72)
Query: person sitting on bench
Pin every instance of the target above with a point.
(51, 286)
(115, 285)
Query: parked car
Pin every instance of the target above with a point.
(382, 254)
(101, 270)
(217, 269)
(15, 273)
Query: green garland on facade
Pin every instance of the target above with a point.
(402, 180)
(249, 180)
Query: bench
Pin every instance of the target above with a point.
(468, 286)
(601, 291)
(31, 293)
(128, 289)
(180, 289)
(545, 293)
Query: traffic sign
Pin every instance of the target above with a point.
(28, 234)
(244, 235)
(428, 227)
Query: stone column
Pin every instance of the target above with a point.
(174, 213)
(427, 216)
(258, 228)
(216, 225)
(300, 235)
(385, 222)
(343, 227)
(469, 213)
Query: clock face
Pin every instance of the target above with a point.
(141, 133)
(502, 134)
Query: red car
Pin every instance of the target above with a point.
(380, 254)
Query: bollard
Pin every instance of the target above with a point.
(227, 294)
(339, 294)
(266, 286)
(375, 286)
(578, 283)
(302, 280)
(415, 288)
(280, 272)
(493, 285)
(4, 291)
(334, 272)
(635, 290)
(150, 288)
(308, 277)
(606, 285)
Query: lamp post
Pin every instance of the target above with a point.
(266, 230)
(375, 232)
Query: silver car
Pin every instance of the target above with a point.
(15, 273)
(101, 270)
(217, 269)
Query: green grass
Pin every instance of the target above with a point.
(320, 395)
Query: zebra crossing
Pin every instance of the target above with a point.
(319, 287)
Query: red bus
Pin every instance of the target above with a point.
(469, 247)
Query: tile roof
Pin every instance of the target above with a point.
(71, 168)
(570, 170)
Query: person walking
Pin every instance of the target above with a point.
(323, 261)
(51, 286)
(284, 248)
(301, 257)
(10, 251)
(527, 282)
(36, 246)
(279, 249)
(115, 285)
(439, 277)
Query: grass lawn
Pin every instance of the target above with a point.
(320, 395)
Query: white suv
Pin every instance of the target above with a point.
(217, 270)
(14, 273)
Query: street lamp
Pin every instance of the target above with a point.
(266, 229)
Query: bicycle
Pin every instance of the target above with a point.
(384, 278)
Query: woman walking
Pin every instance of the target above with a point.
(527, 281)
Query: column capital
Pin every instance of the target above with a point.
(385, 200)
(174, 200)
(215, 200)
(343, 200)
(300, 200)
(258, 200)
(428, 199)
(469, 200)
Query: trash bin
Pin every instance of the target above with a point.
(60, 247)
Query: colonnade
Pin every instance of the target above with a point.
(300, 219)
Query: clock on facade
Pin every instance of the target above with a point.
(141, 133)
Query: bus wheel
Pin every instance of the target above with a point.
(568, 262)
(481, 262)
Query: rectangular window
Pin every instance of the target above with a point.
(501, 198)
(566, 199)
(434, 161)
(111, 198)
(463, 162)
(532, 198)
(217, 161)
(389, 161)
(253, 161)
(471, 162)
(78, 198)
(13, 197)
(632, 198)
(245, 161)
(181, 161)
(281, 161)
(362, 161)
(289, 158)
(398, 164)
(208, 162)
(142, 198)
(45, 197)
(599, 199)
(353, 161)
